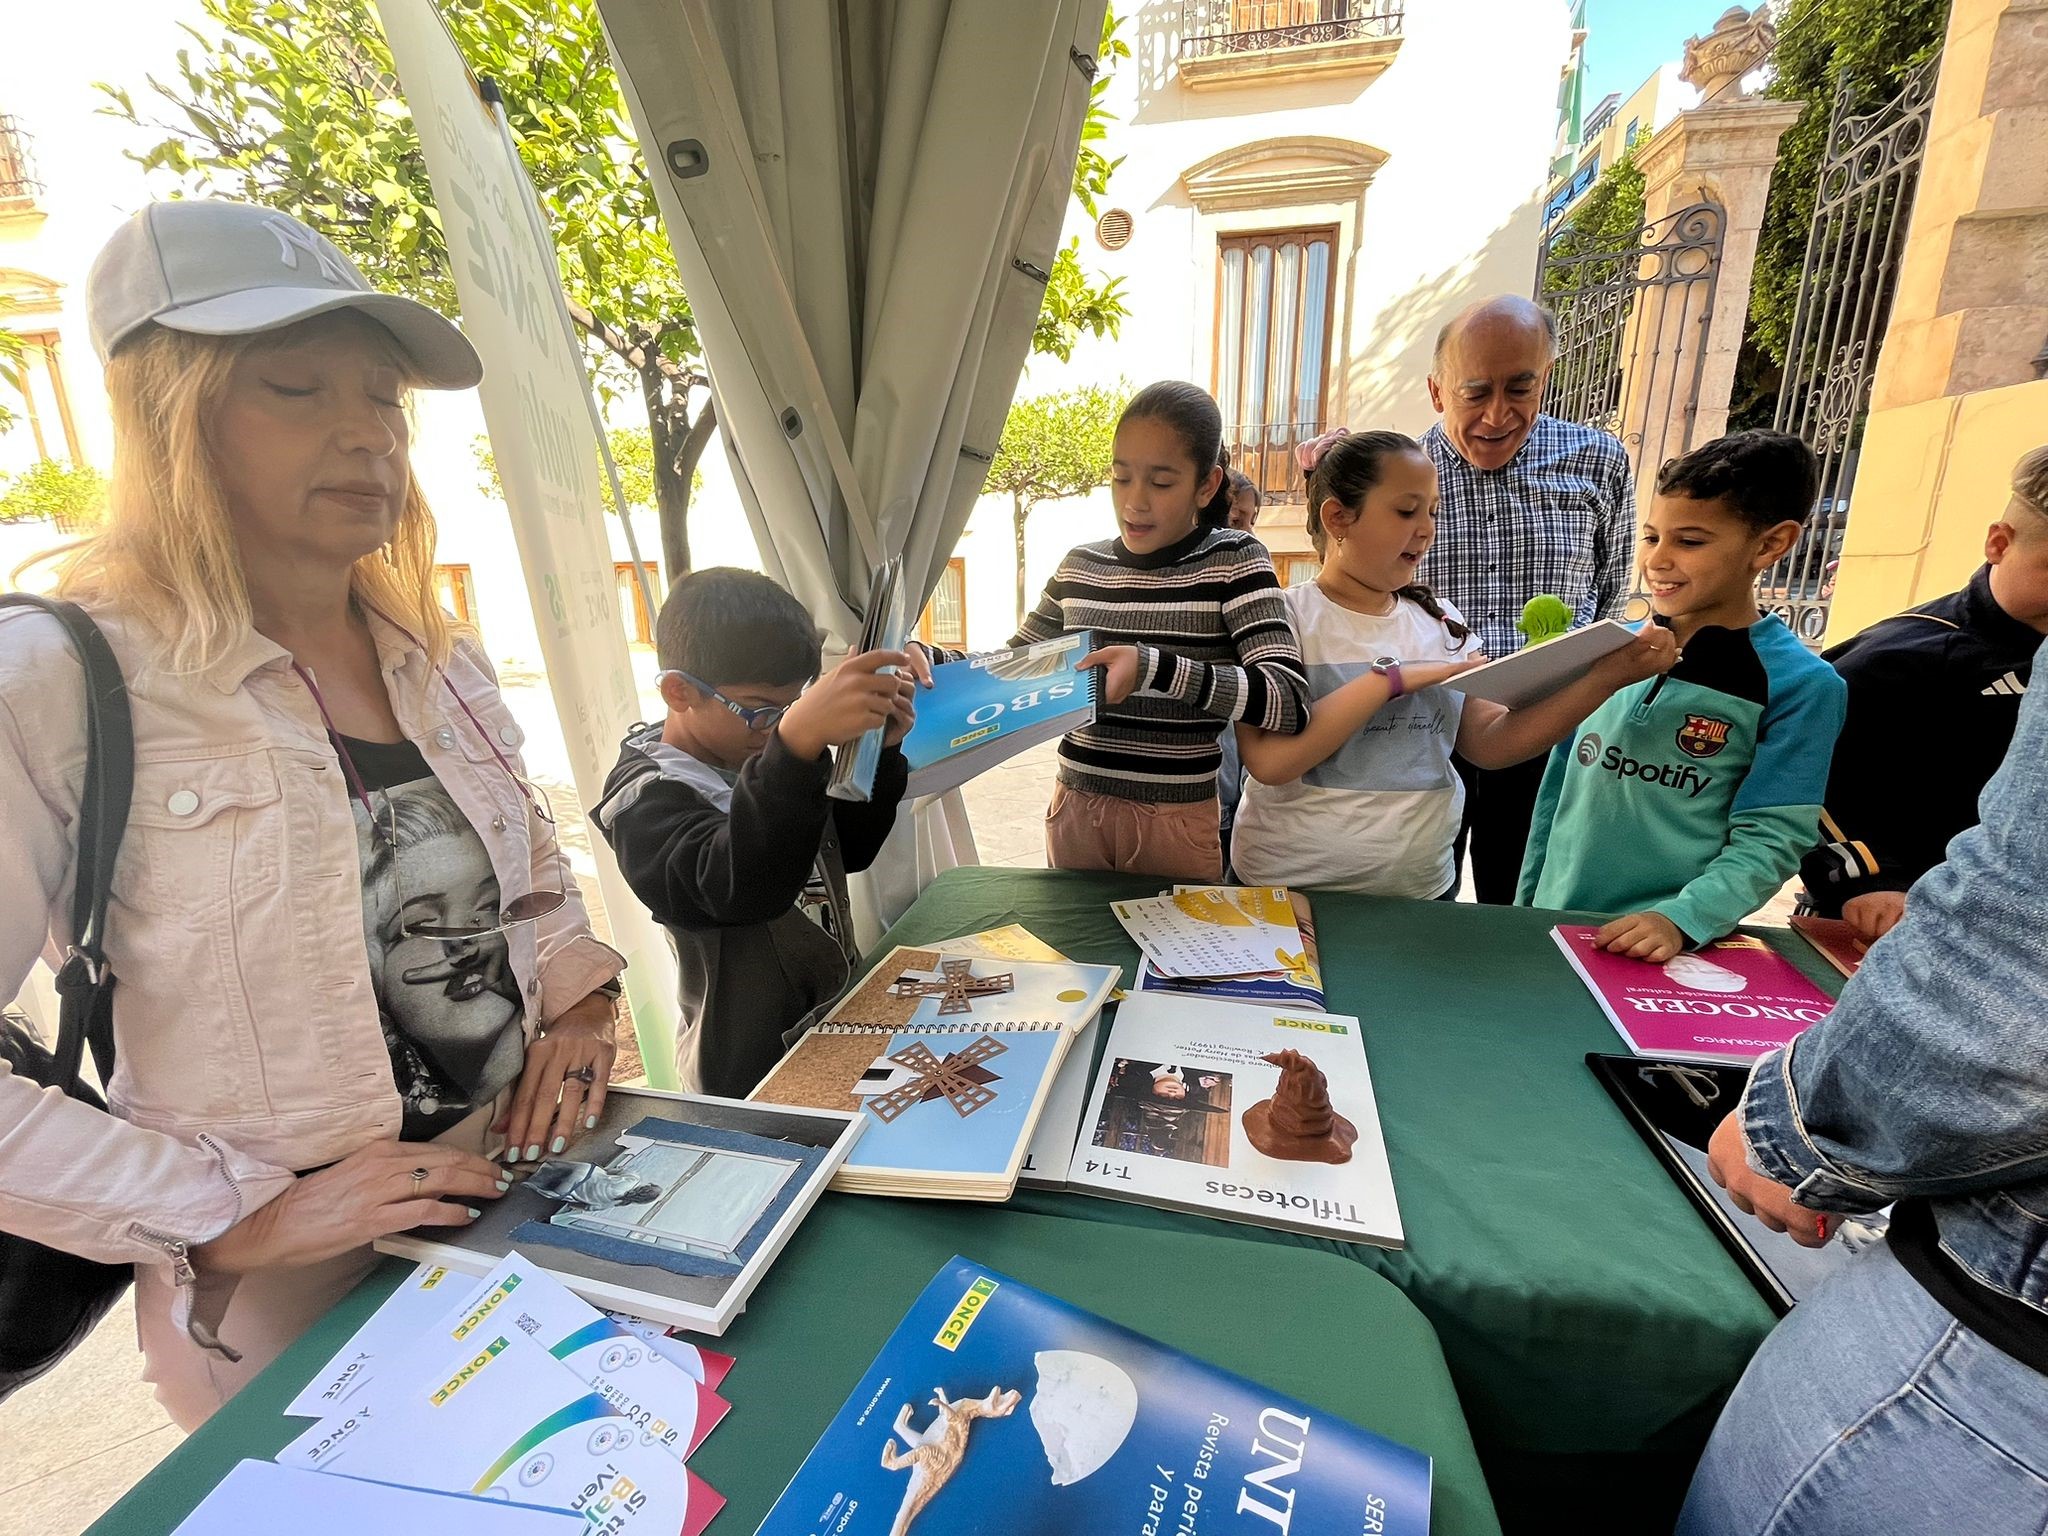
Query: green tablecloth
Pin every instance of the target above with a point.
(854, 1268)
(1592, 1322)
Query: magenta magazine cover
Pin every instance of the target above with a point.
(1730, 1001)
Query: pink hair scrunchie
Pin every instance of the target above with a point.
(1309, 454)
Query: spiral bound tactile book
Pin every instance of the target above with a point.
(949, 1059)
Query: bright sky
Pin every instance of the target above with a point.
(1627, 39)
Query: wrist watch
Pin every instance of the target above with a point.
(1389, 667)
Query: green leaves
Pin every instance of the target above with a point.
(296, 105)
(1074, 305)
(55, 489)
(632, 452)
(1606, 217)
(1054, 445)
(1870, 44)
(1057, 444)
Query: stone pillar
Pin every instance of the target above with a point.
(1971, 311)
(1722, 151)
(1959, 393)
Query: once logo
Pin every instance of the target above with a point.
(1589, 750)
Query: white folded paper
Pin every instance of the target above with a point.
(262, 1496)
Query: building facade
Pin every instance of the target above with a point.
(1614, 124)
(36, 384)
(1308, 190)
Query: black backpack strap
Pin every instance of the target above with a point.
(85, 984)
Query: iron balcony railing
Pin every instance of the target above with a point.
(1264, 452)
(17, 170)
(1211, 27)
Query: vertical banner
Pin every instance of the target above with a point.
(535, 404)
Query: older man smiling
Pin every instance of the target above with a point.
(1529, 504)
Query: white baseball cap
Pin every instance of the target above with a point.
(217, 268)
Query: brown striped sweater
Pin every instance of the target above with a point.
(1214, 646)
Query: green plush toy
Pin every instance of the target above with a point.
(1544, 618)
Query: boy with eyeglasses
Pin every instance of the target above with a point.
(721, 824)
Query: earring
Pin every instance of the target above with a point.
(1340, 543)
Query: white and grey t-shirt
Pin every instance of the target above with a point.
(450, 1008)
(1379, 815)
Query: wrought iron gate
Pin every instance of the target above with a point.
(1862, 206)
(1632, 320)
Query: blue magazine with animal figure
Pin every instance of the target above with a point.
(988, 708)
(997, 1408)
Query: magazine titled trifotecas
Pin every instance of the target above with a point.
(1729, 1001)
(988, 708)
(994, 1407)
(1257, 1115)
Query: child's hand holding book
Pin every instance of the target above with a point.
(1119, 664)
(1654, 650)
(855, 697)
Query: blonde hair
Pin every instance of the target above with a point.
(2030, 480)
(166, 552)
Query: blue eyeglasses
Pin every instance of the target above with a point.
(755, 717)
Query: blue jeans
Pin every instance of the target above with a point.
(1871, 1409)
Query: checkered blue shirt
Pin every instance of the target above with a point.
(1559, 517)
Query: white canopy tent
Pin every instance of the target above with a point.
(864, 197)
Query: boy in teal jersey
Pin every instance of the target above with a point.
(1686, 801)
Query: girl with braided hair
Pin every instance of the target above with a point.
(1366, 798)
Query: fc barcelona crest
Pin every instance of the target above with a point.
(1702, 736)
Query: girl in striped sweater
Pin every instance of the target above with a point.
(1191, 637)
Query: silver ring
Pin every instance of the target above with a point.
(419, 1177)
(584, 1075)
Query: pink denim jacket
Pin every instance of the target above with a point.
(247, 1039)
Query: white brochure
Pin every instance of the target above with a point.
(427, 1295)
(262, 1496)
(500, 1417)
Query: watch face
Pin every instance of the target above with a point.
(1386, 661)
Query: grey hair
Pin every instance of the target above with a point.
(1527, 311)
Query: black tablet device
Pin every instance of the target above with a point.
(1674, 1106)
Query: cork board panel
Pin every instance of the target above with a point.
(821, 1071)
(871, 1004)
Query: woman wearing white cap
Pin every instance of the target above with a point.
(351, 960)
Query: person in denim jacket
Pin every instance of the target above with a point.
(1910, 1392)
(352, 965)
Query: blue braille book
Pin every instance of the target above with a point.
(988, 708)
